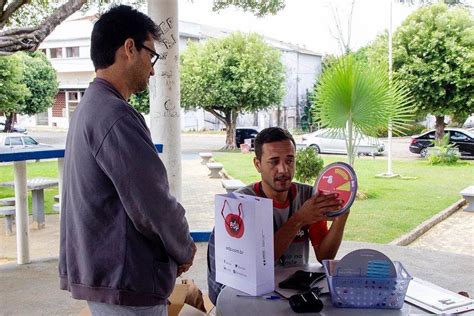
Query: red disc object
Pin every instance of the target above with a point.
(340, 178)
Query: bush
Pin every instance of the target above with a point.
(308, 165)
(443, 153)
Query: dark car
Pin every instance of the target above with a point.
(462, 139)
(15, 129)
(243, 133)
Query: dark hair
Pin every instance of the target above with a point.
(271, 135)
(113, 28)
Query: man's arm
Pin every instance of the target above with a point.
(129, 159)
(331, 242)
(312, 211)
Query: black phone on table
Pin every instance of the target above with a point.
(301, 280)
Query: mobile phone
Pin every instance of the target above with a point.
(301, 280)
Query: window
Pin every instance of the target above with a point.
(72, 51)
(56, 52)
(457, 136)
(430, 135)
(7, 141)
(73, 96)
(15, 141)
(29, 141)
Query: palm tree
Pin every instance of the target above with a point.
(357, 98)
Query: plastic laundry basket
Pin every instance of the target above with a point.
(366, 292)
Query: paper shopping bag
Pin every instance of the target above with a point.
(244, 243)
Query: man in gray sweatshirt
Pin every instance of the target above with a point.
(124, 237)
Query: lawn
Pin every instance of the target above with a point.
(47, 169)
(394, 206)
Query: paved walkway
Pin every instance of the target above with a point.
(33, 289)
(454, 234)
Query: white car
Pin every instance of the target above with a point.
(328, 141)
(16, 141)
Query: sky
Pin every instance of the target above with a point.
(308, 23)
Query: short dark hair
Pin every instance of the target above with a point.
(271, 135)
(113, 28)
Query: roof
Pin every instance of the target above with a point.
(79, 27)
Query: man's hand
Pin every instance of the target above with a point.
(185, 266)
(315, 208)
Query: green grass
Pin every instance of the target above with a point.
(48, 169)
(394, 206)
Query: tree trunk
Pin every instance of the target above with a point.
(279, 115)
(230, 124)
(8, 122)
(439, 127)
(255, 118)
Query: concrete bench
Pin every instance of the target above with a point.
(57, 205)
(232, 185)
(215, 168)
(205, 158)
(9, 201)
(468, 195)
(9, 213)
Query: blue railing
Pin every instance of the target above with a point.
(43, 153)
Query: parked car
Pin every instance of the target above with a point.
(462, 139)
(15, 129)
(243, 133)
(328, 141)
(15, 141)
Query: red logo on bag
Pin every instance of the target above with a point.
(234, 224)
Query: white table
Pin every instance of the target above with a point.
(37, 186)
(448, 270)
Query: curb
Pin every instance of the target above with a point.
(410, 237)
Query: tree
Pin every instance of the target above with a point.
(357, 98)
(259, 8)
(12, 89)
(434, 57)
(29, 37)
(30, 86)
(141, 101)
(40, 78)
(239, 73)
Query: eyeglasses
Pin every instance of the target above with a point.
(154, 58)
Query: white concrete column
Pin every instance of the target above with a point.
(21, 204)
(165, 109)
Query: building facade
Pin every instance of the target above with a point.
(68, 49)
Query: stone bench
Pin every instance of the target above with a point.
(215, 168)
(9, 213)
(56, 206)
(232, 185)
(205, 158)
(468, 195)
(9, 201)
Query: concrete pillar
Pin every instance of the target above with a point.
(165, 109)
(21, 204)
